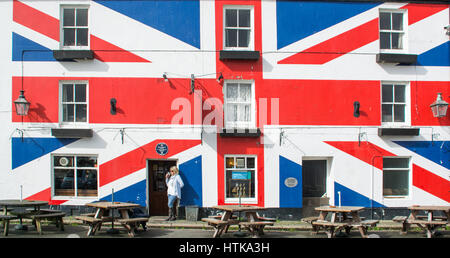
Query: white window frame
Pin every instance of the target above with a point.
(405, 31)
(239, 124)
(407, 121)
(75, 196)
(60, 104)
(247, 200)
(251, 44)
(61, 29)
(410, 175)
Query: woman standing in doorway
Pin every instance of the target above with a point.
(174, 185)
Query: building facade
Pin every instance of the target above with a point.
(280, 104)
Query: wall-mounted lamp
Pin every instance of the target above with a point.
(165, 77)
(439, 107)
(113, 109)
(356, 106)
(447, 28)
(220, 78)
(22, 105)
(192, 84)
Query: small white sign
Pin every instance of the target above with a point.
(291, 182)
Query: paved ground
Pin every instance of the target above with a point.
(158, 228)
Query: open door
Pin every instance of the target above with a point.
(157, 189)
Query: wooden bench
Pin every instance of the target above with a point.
(219, 225)
(5, 219)
(94, 223)
(429, 226)
(402, 220)
(57, 217)
(220, 216)
(364, 225)
(329, 227)
(131, 224)
(434, 217)
(256, 228)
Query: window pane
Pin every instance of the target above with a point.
(396, 183)
(231, 112)
(386, 93)
(82, 17)
(386, 113)
(68, 17)
(81, 114)
(399, 113)
(250, 162)
(397, 21)
(63, 161)
(69, 37)
(385, 40)
(230, 18)
(395, 163)
(397, 41)
(80, 92)
(244, 38)
(232, 91)
(67, 93)
(68, 113)
(82, 37)
(244, 113)
(399, 93)
(244, 18)
(87, 162)
(242, 181)
(244, 92)
(230, 162)
(231, 37)
(385, 21)
(240, 162)
(64, 184)
(86, 182)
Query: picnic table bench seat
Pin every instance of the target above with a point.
(434, 217)
(5, 219)
(131, 224)
(220, 216)
(256, 228)
(56, 217)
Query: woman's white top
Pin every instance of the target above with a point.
(174, 185)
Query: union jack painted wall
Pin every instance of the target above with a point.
(316, 59)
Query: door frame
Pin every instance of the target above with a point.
(147, 180)
(329, 187)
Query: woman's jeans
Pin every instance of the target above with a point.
(172, 199)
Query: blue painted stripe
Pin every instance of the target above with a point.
(28, 149)
(438, 56)
(177, 18)
(436, 151)
(290, 197)
(29, 50)
(191, 174)
(135, 193)
(352, 198)
(294, 17)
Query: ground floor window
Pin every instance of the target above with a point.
(240, 178)
(75, 175)
(396, 177)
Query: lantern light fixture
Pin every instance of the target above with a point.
(439, 107)
(22, 105)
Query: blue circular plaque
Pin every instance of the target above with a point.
(162, 149)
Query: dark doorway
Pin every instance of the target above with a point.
(157, 189)
(314, 179)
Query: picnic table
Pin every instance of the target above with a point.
(254, 223)
(429, 222)
(343, 217)
(28, 214)
(101, 215)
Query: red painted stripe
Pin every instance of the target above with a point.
(107, 52)
(431, 183)
(136, 159)
(336, 46)
(36, 20)
(418, 12)
(45, 195)
(365, 151)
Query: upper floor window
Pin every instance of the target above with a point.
(75, 27)
(394, 103)
(393, 28)
(73, 105)
(238, 27)
(239, 104)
